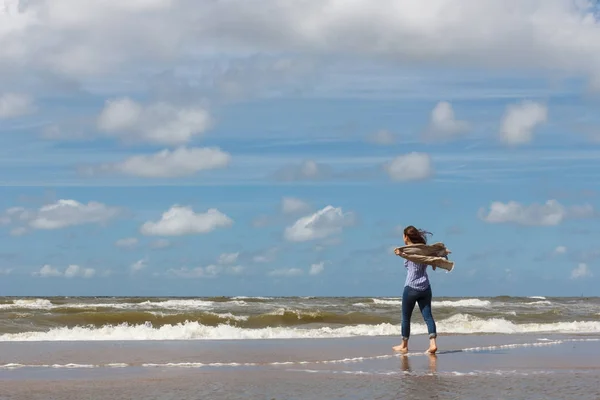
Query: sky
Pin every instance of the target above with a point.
(273, 148)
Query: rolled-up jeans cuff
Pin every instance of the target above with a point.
(432, 335)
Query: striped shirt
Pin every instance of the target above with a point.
(416, 277)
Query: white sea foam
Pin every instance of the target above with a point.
(458, 324)
(176, 305)
(475, 303)
(540, 303)
(537, 297)
(462, 303)
(231, 316)
(251, 298)
(42, 304)
(387, 302)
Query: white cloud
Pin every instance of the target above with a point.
(80, 39)
(180, 220)
(560, 250)
(19, 231)
(137, 266)
(443, 124)
(6, 271)
(127, 243)
(48, 271)
(316, 269)
(62, 214)
(72, 271)
(292, 205)
(410, 167)
(306, 170)
(286, 272)
(382, 137)
(520, 120)
(323, 223)
(69, 37)
(228, 258)
(167, 163)
(159, 123)
(548, 214)
(14, 105)
(581, 271)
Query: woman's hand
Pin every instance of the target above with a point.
(397, 251)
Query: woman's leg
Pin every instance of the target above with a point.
(425, 306)
(408, 304)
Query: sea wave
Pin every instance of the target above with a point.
(442, 303)
(462, 303)
(457, 324)
(175, 304)
(277, 317)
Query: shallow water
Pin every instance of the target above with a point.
(467, 367)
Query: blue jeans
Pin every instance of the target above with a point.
(409, 298)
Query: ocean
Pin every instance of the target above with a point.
(97, 348)
(199, 318)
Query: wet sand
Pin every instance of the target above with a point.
(466, 367)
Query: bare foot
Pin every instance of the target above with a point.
(402, 348)
(431, 350)
(432, 346)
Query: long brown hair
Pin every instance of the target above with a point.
(416, 235)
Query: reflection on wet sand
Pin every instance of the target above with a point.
(417, 385)
(404, 360)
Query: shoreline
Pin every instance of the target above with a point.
(350, 368)
(133, 353)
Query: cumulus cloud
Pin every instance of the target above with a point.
(72, 271)
(167, 163)
(14, 105)
(326, 222)
(182, 220)
(581, 271)
(443, 125)
(62, 214)
(293, 205)
(560, 250)
(306, 170)
(77, 38)
(316, 269)
(382, 138)
(159, 123)
(137, 266)
(520, 120)
(228, 258)
(410, 167)
(548, 214)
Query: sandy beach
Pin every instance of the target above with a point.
(490, 366)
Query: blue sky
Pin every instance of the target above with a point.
(254, 156)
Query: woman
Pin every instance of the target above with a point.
(416, 290)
